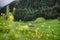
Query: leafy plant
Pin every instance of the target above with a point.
(39, 20)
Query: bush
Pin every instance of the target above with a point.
(40, 20)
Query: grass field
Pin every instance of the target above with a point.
(38, 29)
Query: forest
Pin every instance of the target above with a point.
(28, 10)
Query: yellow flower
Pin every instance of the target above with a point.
(14, 8)
(11, 17)
(25, 27)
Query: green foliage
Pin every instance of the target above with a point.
(26, 9)
(3, 27)
(42, 30)
(40, 20)
(25, 14)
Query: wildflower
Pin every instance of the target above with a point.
(14, 8)
(11, 17)
(25, 27)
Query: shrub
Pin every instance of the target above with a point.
(40, 20)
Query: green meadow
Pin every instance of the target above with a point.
(30, 20)
(39, 29)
